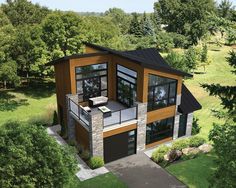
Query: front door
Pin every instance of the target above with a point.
(120, 145)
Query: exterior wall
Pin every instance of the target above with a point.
(82, 136)
(141, 128)
(189, 124)
(119, 130)
(96, 134)
(177, 116)
(63, 87)
(89, 50)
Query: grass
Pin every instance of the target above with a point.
(108, 180)
(195, 172)
(24, 103)
(217, 72)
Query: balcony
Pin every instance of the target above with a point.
(119, 113)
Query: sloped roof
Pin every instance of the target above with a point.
(148, 58)
(188, 102)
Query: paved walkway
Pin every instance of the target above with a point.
(85, 172)
(138, 171)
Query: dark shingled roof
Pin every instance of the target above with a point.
(188, 102)
(149, 58)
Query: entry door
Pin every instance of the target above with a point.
(182, 125)
(120, 145)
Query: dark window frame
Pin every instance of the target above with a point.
(154, 136)
(91, 77)
(153, 87)
(129, 82)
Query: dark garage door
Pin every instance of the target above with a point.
(120, 145)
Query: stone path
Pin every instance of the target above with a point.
(85, 172)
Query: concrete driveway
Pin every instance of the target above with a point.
(138, 171)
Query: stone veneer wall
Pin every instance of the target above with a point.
(189, 124)
(176, 123)
(96, 134)
(141, 126)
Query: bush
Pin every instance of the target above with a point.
(55, 118)
(158, 154)
(195, 128)
(180, 41)
(164, 41)
(196, 141)
(31, 158)
(85, 155)
(176, 61)
(96, 162)
(180, 144)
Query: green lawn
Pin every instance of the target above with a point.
(195, 172)
(26, 102)
(104, 181)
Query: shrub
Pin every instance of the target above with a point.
(158, 154)
(164, 41)
(195, 128)
(176, 61)
(31, 158)
(180, 144)
(96, 162)
(196, 141)
(55, 118)
(85, 155)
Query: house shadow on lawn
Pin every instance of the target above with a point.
(38, 88)
(9, 102)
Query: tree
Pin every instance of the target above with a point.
(135, 27)
(31, 158)
(21, 12)
(3, 19)
(176, 60)
(190, 59)
(224, 8)
(119, 18)
(61, 33)
(188, 18)
(147, 29)
(8, 73)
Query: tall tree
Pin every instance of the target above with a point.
(135, 26)
(188, 18)
(224, 8)
(22, 12)
(147, 28)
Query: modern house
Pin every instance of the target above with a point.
(116, 103)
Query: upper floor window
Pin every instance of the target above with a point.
(161, 92)
(126, 85)
(91, 81)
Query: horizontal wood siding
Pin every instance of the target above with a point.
(81, 135)
(89, 50)
(119, 130)
(158, 142)
(161, 114)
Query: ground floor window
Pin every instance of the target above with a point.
(182, 125)
(159, 130)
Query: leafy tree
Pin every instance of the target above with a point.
(231, 36)
(191, 58)
(188, 18)
(164, 41)
(119, 18)
(135, 26)
(61, 33)
(8, 73)
(3, 19)
(22, 12)
(224, 8)
(176, 61)
(31, 158)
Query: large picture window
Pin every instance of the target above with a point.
(91, 81)
(161, 92)
(126, 85)
(159, 130)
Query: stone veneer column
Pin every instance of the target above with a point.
(177, 114)
(96, 134)
(141, 126)
(189, 124)
(70, 120)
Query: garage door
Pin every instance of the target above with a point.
(120, 145)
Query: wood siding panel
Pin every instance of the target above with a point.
(63, 85)
(161, 114)
(158, 142)
(81, 135)
(89, 50)
(119, 130)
